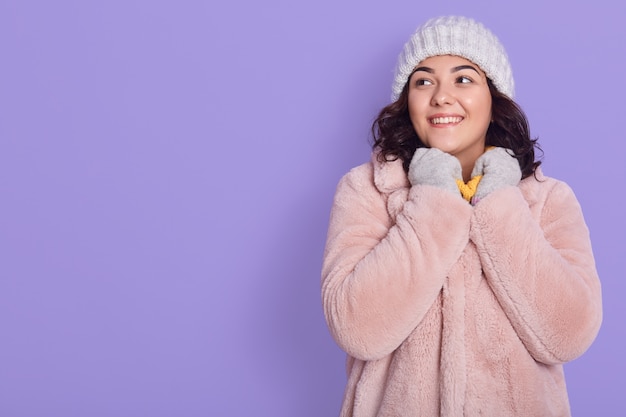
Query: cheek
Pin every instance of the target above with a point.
(487, 109)
(481, 107)
(417, 109)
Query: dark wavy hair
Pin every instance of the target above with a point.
(395, 138)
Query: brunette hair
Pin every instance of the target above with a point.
(395, 138)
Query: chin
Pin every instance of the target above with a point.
(444, 148)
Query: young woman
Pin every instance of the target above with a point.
(457, 277)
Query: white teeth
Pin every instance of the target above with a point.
(445, 120)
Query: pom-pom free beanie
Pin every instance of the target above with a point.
(455, 35)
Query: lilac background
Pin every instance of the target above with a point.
(166, 172)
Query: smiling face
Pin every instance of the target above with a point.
(450, 107)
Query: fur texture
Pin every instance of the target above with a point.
(448, 309)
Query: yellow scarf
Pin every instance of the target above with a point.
(469, 189)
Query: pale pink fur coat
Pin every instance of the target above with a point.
(448, 309)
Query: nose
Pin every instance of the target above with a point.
(441, 96)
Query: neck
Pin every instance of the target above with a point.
(468, 160)
(467, 171)
(467, 165)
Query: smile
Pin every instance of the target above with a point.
(445, 120)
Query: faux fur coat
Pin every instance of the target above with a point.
(448, 309)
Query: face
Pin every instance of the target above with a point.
(450, 106)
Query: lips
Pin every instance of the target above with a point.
(445, 120)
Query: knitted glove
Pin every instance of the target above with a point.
(431, 166)
(498, 168)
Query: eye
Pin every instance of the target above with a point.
(422, 81)
(464, 80)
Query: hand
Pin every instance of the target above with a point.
(499, 168)
(431, 166)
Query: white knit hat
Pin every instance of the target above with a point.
(455, 35)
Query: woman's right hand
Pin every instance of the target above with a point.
(431, 166)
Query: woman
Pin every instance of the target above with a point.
(457, 277)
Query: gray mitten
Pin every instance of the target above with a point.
(499, 168)
(431, 166)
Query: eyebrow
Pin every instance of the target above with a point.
(455, 69)
(462, 67)
(425, 69)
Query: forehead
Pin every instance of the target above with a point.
(446, 62)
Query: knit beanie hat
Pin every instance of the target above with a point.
(455, 35)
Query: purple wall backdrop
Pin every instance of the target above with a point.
(166, 171)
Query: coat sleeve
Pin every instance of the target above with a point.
(380, 276)
(542, 270)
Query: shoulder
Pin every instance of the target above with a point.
(541, 182)
(384, 177)
(543, 190)
(358, 178)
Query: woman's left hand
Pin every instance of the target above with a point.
(499, 168)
